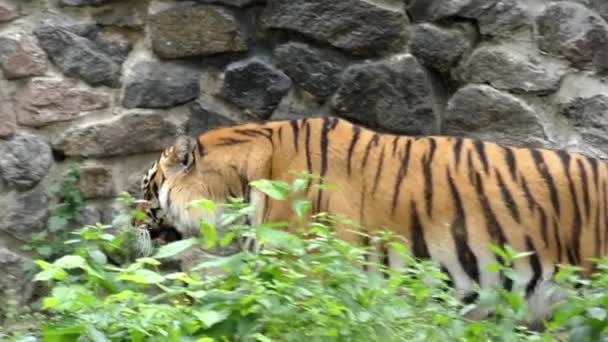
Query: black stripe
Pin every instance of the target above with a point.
(334, 123)
(307, 147)
(296, 133)
(281, 134)
(324, 151)
(575, 242)
(558, 241)
(481, 151)
(507, 198)
(541, 167)
(362, 201)
(231, 141)
(544, 226)
(372, 141)
(537, 270)
(450, 280)
(378, 171)
(528, 194)
(405, 160)
(351, 148)
(427, 172)
(466, 257)
(605, 189)
(511, 162)
(492, 225)
(470, 298)
(593, 163)
(598, 233)
(395, 139)
(457, 151)
(419, 247)
(583, 175)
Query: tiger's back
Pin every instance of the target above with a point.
(449, 197)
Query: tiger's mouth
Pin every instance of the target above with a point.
(151, 237)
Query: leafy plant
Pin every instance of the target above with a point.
(306, 285)
(66, 215)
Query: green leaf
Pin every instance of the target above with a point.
(597, 313)
(67, 334)
(301, 207)
(210, 234)
(227, 239)
(50, 303)
(299, 184)
(143, 276)
(205, 204)
(44, 251)
(148, 261)
(98, 256)
(57, 223)
(96, 335)
(174, 248)
(70, 262)
(277, 190)
(210, 317)
(279, 239)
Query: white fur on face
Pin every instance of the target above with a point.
(184, 216)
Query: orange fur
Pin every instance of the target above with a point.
(450, 197)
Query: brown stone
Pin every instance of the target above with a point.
(7, 119)
(44, 101)
(188, 29)
(8, 11)
(96, 182)
(20, 56)
(130, 133)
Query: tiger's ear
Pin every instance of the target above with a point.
(181, 154)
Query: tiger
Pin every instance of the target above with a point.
(448, 197)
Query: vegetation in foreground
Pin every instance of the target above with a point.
(309, 286)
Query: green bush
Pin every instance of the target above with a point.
(308, 286)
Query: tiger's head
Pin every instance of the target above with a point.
(175, 164)
(211, 167)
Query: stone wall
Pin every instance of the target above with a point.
(112, 82)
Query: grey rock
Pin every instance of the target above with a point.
(573, 31)
(601, 7)
(255, 86)
(20, 56)
(398, 95)
(494, 17)
(589, 117)
(203, 119)
(96, 181)
(81, 3)
(442, 48)
(315, 70)
(114, 45)
(122, 14)
(236, 3)
(23, 213)
(358, 26)
(26, 159)
(187, 29)
(43, 101)
(513, 68)
(91, 215)
(160, 85)
(7, 119)
(130, 133)
(79, 56)
(583, 101)
(482, 112)
(15, 277)
(8, 11)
